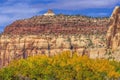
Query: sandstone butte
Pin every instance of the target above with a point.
(113, 33)
(51, 35)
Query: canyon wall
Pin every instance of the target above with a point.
(16, 47)
(51, 35)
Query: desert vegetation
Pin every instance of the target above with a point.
(61, 67)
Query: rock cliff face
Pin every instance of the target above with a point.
(59, 24)
(16, 47)
(113, 33)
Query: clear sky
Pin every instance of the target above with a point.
(11, 10)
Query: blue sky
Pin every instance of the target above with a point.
(11, 10)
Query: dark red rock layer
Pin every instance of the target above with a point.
(59, 24)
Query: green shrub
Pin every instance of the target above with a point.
(61, 67)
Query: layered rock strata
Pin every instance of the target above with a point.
(59, 24)
(16, 47)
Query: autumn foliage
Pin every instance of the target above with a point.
(61, 67)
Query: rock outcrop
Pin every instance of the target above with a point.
(113, 33)
(49, 13)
